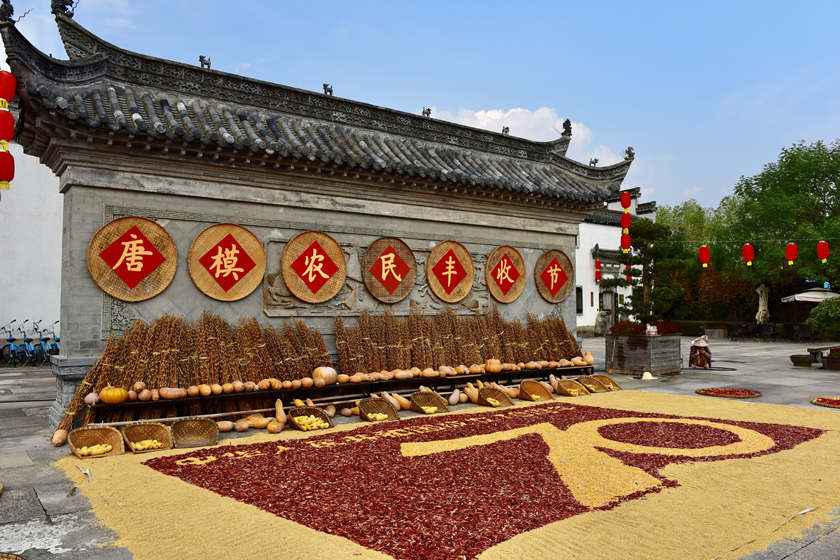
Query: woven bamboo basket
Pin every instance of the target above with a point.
(530, 388)
(816, 401)
(592, 384)
(93, 435)
(375, 404)
(147, 430)
(500, 396)
(195, 432)
(308, 411)
(607, 381)
(571, 388)
(425, 398)
(704, 392)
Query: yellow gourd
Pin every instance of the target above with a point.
(113, 395)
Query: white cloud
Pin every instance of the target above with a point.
(541, 125)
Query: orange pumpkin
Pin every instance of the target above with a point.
(113, 395)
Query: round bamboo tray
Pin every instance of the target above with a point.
(709, 392)
(195, 432)
(500, 396)
(93, 435)
(375, 404)
(425, 398)
(571, 388)
(818, 402)
(309, 411)
(529, 388)
(592, 384)
(147, 430)
(607, 381)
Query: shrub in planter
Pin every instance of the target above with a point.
(825, 319)
(627, 328)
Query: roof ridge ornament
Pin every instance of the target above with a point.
(427, 111)
(63, 7)
(204, 61)
(567, 128)
(629, 153)
(328, 89)
(6, 11)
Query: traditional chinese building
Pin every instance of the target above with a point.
(188, 147)
(599, 238)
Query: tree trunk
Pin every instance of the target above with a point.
(763, 315)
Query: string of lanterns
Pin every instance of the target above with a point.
(748, 253)
(626, 220)
(8, 84)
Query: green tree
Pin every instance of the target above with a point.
(655, 294)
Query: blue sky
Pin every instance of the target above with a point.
(704, 92)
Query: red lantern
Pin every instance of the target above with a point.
(7, 170)
(597, 270)
(822, 251)
(749, 253)
(626, 220)
(625, 242)
(704, 255)
(790, 253)
(625, 201)
(7, 85)
(7, 125)
(627, 274)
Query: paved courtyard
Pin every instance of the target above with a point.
(43, 515)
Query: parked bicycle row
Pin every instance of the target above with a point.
(28, 343)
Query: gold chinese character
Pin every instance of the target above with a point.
(389, 266)
(503, 274)
(225, 264)
(554, 271)
(450, 270)
(133, 252)
(314, 264)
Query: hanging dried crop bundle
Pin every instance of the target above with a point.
(418, 346)
(342, 346)
(278, 352)
(299, 359)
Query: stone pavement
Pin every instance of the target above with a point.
(43, 516)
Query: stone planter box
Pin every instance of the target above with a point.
(716, 333)
(659, 355)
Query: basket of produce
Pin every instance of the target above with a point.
(830, 402)
(309, 418)
(147, 436)
(195, 432)
(592, 384)
(493, 397)
(377, 410)
(95, 441)
(607, 381)
(530, 390)
(728, 393)
(426, 402)
(570, 388)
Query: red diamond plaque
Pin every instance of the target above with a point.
(227, 262)
(505, 274)
(315, 267)
(554, 277)
(449, 271)
(132, 257)
(389, 269)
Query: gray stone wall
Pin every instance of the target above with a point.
(185, 197)
(352, 211)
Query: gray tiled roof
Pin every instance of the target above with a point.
(108, 89)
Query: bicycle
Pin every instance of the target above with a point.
(28, 347)
(42, 347)
(53, 345)
(12, 353)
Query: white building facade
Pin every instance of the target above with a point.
(599, 238)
